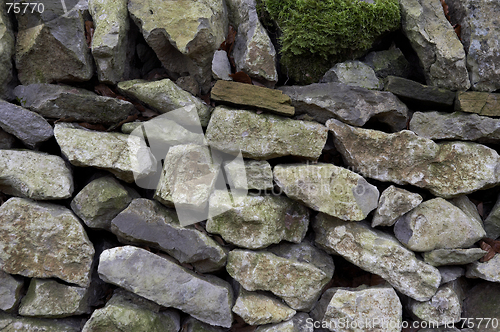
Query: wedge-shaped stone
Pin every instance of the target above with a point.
(298, 283)
(147, 222)
(76, 104)
(17, 323)
(34, 175)
(253, 174)
(487, 270)
(437, 224)
(10, 291)
(255, 222)
(328, 188)
(58, 245)
(441, 257)
(379, 253)
(264, 136)
(393, 203)
(482, 103)
(351, 104)
(247, 95)
(123, 155)
(208, 299)
(446, 169)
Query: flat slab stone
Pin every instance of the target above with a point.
(487, 270)
(28, 224)
(139, 271)
(264, 136)
(378, 253)
(328, 188)
(126, 156)
(482, 103)
(16, 323)
(253, 174)
(393, 203)
(350, 104)
(248, 95)
(446, 169)
(441, 257)
(35, 175)
(10, 291)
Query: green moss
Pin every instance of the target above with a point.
(318, 33)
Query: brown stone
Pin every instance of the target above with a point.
(482, 103)
(240, 94)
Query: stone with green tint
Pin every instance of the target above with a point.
(35, 175)
(253, 174)
(7, 45)
(437, 224)
(127, 312)
(58, 244)
(482, 103)
(379, 253)
(328, 188)
(487, 270)
(353, 73)
(10, 291)
(165, 96)
(299, 284)
(123, 155)
(440, 257)
(11, 323)
(393, 203)
(51, 299)
(264, 136)
(299, 323)
(207, 298)
(255, 222)
(447, 169)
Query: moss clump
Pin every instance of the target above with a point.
(318, 33)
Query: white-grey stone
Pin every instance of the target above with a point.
(354, 73)
(487, 270)
(466, 205)
(221, 68)
(392, 204)
(450, 273)
(253, 174)
(10, 291)
(11, 323)
(441, 257)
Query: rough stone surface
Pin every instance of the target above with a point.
(183, 34)
(253, 174)
(360, 305)
(469, 208)
(328, 188)
(165, 96)
(109, 42)
(10, 291)
(44, 240)
(255, 222)
(456, 126)
(391, 62)
(393, 203)
(221, 68)
(51, 299)
(7, 141)
(299, 284)
(482, 103)
(101, 200)
(123, 155)
(353, 73)
(194, 325)
(483, 300)
(352, 105)
(34, 175)
(28, 126)
(487, 270)
(10, 323)
(247, 95)
(297, 324)
(7, 47)
(450, 273)
(437, 224)
(127, 312)
(378, 253)
(446, 169)
(492, 222)
(440, 52)
(208, 298)
(147, 222)
(441, 257)
(258, 309)
(264, 136)
(76, 104)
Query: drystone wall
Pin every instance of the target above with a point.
(160, 172)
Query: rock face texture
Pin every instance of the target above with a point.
(7, 45)
(393, 203)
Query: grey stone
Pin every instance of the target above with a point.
(483, 301)
(221, 68)
(353, 73)
(10, 291)
(7, 141)
(379, 305)
(492, 222)
(450, 273)
(7, 47)
(393, 203)
(28, 126)
(34, 175)
(256, 222)
(258, 309)
(10, 323)
(353, 105)
(328, 188)
(189, 84)
(64, 101)
(184, 34)
(58, 245)
(165, 96)
(254, 174)
(487, 270)
(264, 136)
(437, 224)
(127, 312)
(126, 156)
(441, 257)
(389, 62)
(299, 284)
(51, 299)
(109, 42)
(440, 52)
(148, 222)
(299, 323)
(482, 103)
(378, 253)
(194, 325)
(469, 208)
(446, 169)
(456, 126)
